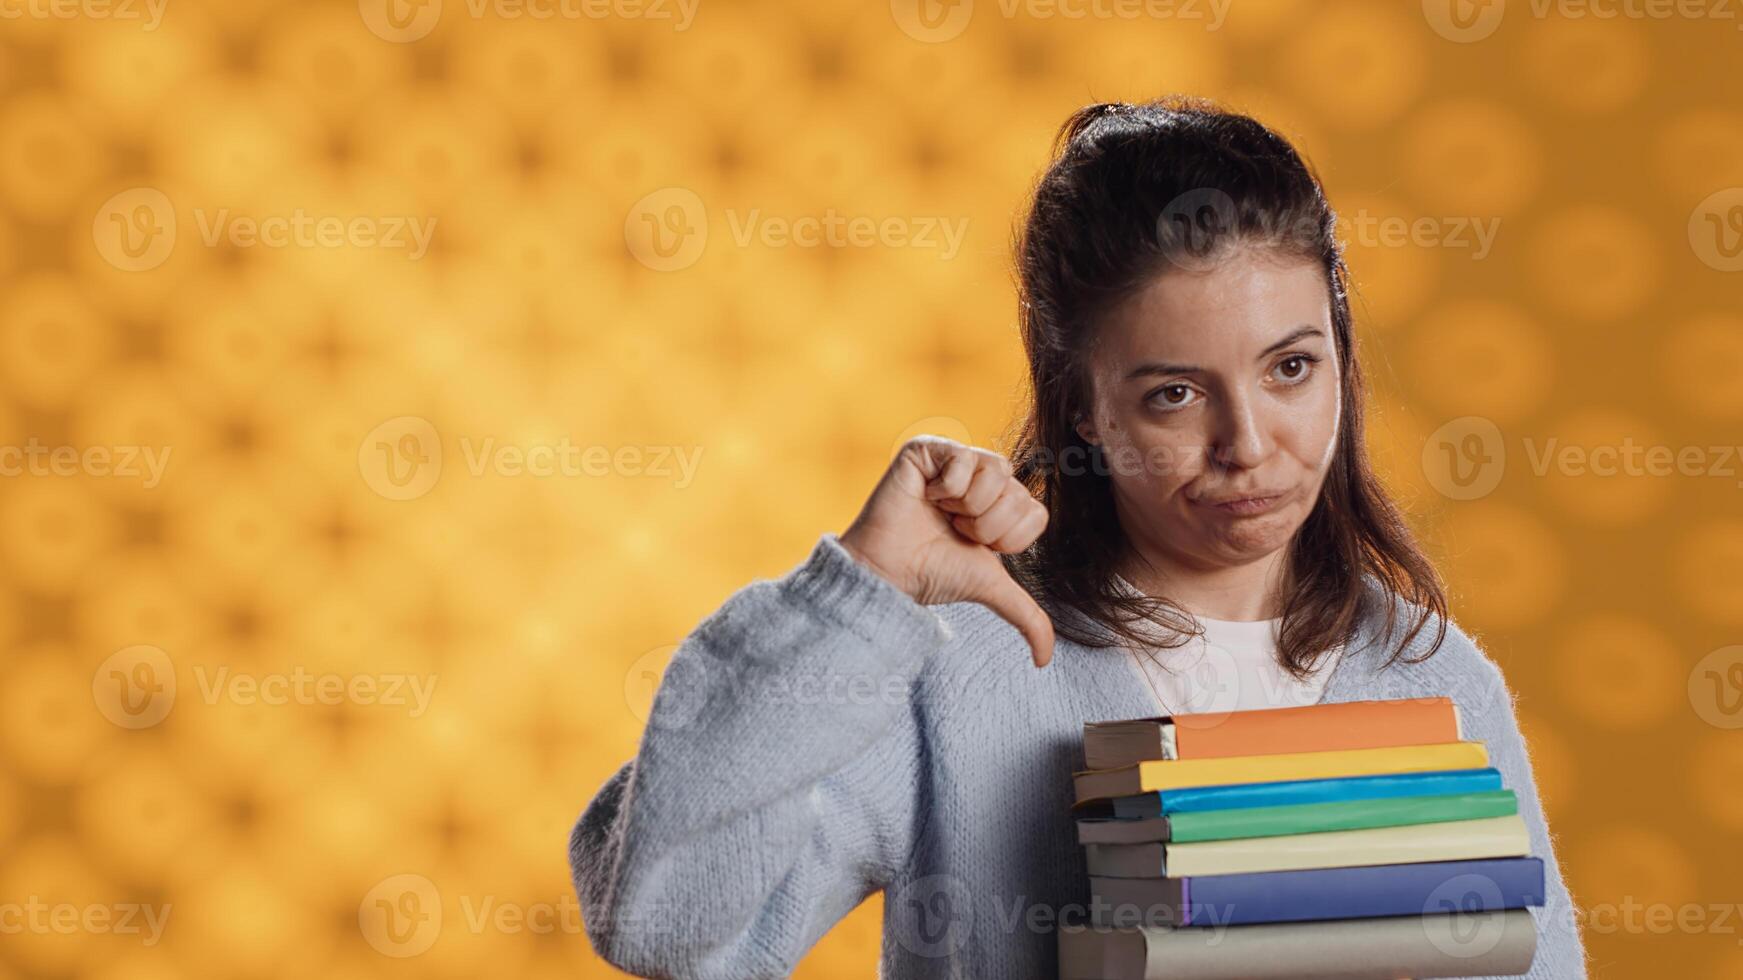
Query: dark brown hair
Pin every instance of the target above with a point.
(1132, 192)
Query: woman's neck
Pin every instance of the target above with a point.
(1239, 593)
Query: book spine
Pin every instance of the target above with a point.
(1112, 831)
(1125, 860)
(1133, 902)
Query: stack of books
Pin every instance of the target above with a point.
(1363, 839)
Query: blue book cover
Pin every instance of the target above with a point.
(1430, 888)
(1241, 795)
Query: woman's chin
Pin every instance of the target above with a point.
(1246, 539)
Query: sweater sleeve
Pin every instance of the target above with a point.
(1489, 716)
(776, 783)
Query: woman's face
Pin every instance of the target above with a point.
(1216, 402)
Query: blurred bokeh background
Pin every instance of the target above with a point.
(385, 388)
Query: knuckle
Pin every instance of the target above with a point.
(919, 442)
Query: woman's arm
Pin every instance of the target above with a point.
(776, 783)
(1489, 716)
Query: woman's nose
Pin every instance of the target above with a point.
(1241, 441)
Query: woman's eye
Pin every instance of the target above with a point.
(1174, 396)
(1294, 369)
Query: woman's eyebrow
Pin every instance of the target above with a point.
(1146, 370)
(1297, 334)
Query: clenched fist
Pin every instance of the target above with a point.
(935, 524)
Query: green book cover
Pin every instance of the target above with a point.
(1307, 818)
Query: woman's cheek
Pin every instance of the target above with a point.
(1172, 463)
(1312, 427)
(1332, 413)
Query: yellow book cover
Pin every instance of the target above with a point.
(1167, 774)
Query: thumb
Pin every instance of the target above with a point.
(1016, 606)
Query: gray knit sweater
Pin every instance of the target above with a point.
(822, 736)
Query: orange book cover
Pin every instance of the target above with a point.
(1317, 728)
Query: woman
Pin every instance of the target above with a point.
(1190, 488)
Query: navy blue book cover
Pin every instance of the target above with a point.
(1427, 888)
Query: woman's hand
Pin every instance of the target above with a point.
(935, 523)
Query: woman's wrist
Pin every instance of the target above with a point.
(850, 544)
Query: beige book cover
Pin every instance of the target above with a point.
(1453, 840)
(1457, 944)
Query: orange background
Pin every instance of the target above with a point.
(606, 266)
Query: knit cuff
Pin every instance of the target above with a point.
(847, 592)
